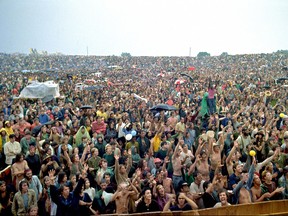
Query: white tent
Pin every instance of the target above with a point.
(40, 90)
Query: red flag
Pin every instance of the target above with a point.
(192, 68)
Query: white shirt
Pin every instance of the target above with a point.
(120, 131)
(194, 188)
(219, 204)
(10, 151)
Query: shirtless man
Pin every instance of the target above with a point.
(233, 156)
(222, 194)
(257, 192)
(215, 149)
(173, 120)
(202, 164)
(177, 165)
(121, 197)
(242, 190)
(166, 181)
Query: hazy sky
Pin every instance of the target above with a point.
(144, 27)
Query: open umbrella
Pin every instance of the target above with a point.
(160, 107)
(190, 77)
(35, 131)
(86, 107)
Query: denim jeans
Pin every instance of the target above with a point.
(176, 180)
(211, 105)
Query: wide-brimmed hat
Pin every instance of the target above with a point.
(46, 157)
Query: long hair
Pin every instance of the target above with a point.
(18, 157)
(24, 181)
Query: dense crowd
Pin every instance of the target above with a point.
(150, 134)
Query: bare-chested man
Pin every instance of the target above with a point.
(177, 165)
(173, 120)
(233, 156)
(202, 157)
(257, 192)
(242, 191)
(164, 179)
(121, 197)
(215, 149)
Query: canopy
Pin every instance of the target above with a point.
(40, 90)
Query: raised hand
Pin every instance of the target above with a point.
(166, 160)
(254, 160)
(116, 157)
(51, 173)
(86, 167)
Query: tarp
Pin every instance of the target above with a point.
(40, 90)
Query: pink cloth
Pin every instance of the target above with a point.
(99, 127)
(211, 93)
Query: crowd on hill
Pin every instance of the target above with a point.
(150, 134)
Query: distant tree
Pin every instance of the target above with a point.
(282, 52)
(224, 54)
(203, 54)
(125, 54)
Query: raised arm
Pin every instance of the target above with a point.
(80, 183)
(192, 167)
(116, 171)
(67, 157)
(86, 149)
(176, 150)
(129, 165)
(233, 150)
(53, 189)
(210, 146)
(251, 173)
(116, 194)
(266, 161)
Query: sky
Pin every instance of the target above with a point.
(144, 27)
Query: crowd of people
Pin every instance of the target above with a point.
(151, 134)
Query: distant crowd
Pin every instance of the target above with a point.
(148, 134)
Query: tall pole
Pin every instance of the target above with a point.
(87, 50)
(190, 52)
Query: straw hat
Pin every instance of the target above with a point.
(46, 157)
